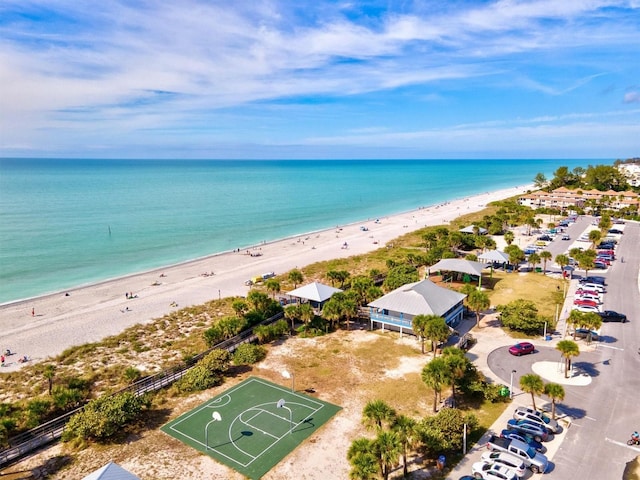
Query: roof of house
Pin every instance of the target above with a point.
(419, 298)
(318, 292)
(470, 229)
(111, 471)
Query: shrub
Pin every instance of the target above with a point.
(248, 354)
(206, 374)
(103, 417)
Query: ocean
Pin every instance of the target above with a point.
(67, 223)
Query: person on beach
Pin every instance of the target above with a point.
(33, 312)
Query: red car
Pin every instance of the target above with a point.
(584, 302)
(521, 348)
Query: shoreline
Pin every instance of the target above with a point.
(44, 326)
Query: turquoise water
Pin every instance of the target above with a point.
(65, 223)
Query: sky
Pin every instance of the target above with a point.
(313, 79)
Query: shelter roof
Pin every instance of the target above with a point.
(419, 298)
(470, 229)
(111, 471)
(459, 265)
(316, 291)
(494, 256)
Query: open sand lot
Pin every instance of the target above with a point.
(45, 326)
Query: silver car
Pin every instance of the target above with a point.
(524, 413)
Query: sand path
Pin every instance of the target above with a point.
(91, 313)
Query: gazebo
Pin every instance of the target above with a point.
(494, 256)
(315, 293)
(467, 267)
(111, 471)
(472, 229)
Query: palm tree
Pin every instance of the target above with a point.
(478, 301)
(48, 373)
(419, 327)
(291, 312)
(509, 237)
(436, 331)
(273, 286)
(594, 237)
(295, 276)
(568, 349)
(435, 375)
(532, 383)
(362, 457)
(457, 364)
(349, 310)
(332, 311)
(406, 429)
(554, 391)
(376, 412)
(240, 307)
(534, 259)
(545, 256)
(388, 449)
(562, 260)
(306, 313)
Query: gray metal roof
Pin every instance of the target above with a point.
(494, 256)
(458, 265)
(111, 471)
(424, 297)
(318, 292)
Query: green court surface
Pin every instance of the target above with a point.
(252, 426)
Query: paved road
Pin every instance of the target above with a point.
(604, 413)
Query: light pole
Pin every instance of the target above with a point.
(286, 374)
(281, 404)
(511, 385)
(215, 418)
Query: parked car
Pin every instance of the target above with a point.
(584, 333)
(586, 308)
(525, 413)
(611, 316)
(545, 238)
(594, 298)
(536, 431)
(492, 471)
(616, 231)
(594, 286)
(502, 458)
(584, 291)
(580, 302)
(607, 245)
(537, 446)
(522, 348)
(566, 237)
(594, 279)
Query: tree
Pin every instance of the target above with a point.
(49, 373)
(586, 260)
(376, 413)
(555, 392)
(360, 285)
(362, 457)
(295, 276)
(240, 307)
(419, 327)
(406, 429)
(521, 315)
(349, 310)
(562, 260)
(516, 255)
(534, 259)
(306, 313)
(457, 364)
(568, 349)
(272, 286)
(545, 256)
(509, 237)
(540, 181)
(332, 311)
(291, 313)
(533, 384)
(400, 275)
(594, 238)
(435, 375)
(388, 448)
(436, 331)
(478, 301)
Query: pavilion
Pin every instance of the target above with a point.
(315, 293)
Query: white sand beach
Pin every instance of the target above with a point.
(45, 326)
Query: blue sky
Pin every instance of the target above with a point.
(320, 79)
